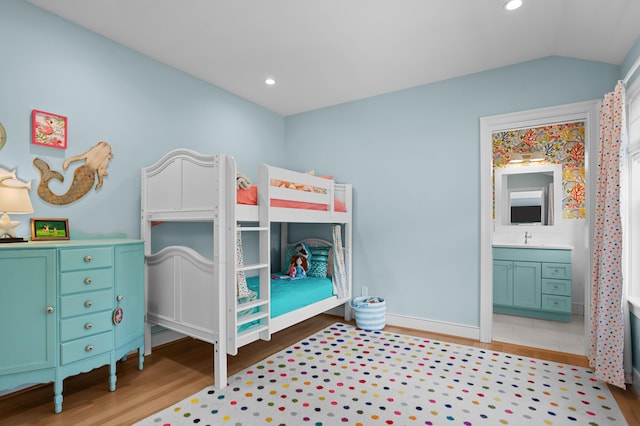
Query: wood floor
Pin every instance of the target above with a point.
(178, 370)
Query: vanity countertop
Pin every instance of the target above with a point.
(534, 246)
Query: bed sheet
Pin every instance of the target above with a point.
(289, 295)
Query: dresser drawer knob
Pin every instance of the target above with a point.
(49, 309)
(89, 348)
(88, 326)
(120, 298)
(88, 280)
(88, 303)
(88, 259)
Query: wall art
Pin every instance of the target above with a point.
(96, 161)
(49, 129)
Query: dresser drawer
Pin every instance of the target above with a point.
(86, 258)
(557, 287)
(556, 270)
(86, 303)
(92, 279)
(556, 303)
(86, 347)
(86, 325)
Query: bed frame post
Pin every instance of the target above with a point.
(221, 223)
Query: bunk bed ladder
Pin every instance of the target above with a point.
(247, 320)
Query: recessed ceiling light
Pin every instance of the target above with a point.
(513, 4)
(269, 82)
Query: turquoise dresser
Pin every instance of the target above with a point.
(67, 307)
(532, 282)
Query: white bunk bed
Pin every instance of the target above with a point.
(196, 296)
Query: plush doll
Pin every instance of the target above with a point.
(296, 269)
(300, 252)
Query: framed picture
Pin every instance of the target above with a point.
(49, 229)
(48, 129)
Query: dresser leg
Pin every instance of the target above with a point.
(57, 396)
(141, 358)
(112, 376)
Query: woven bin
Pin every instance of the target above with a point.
(370, 312)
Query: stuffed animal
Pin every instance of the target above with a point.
(243, 181)
(296, 270)
(302, 253)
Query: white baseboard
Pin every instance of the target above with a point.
(636, 380)
(434, 326)
(166, 336)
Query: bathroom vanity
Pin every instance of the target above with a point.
(532, 281)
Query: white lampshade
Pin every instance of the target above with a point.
(15, 200)
(12, 200)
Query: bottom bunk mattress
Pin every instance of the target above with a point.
(289, 295)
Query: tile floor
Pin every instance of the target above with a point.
(552, 335)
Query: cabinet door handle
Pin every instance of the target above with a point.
(88, 280)
(120, 298)
(88, 326)
(88, 303)
(49, 309)
(89, 348)
(88, 259)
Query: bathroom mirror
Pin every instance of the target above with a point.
(528, 196)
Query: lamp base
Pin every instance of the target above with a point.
(12, 240)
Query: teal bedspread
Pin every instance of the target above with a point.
(289, 295)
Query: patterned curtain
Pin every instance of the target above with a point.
(606, 340)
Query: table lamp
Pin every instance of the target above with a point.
(14, 199)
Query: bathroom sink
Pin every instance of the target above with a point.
(533, 246)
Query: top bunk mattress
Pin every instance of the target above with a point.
(249, 197)
(289, 295)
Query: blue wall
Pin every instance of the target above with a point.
(413, 158)
(630, 59)
(412, 155)
(108, 92)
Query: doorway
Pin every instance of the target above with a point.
(583, 111)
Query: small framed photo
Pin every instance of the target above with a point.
(49, 229)
(48, 129)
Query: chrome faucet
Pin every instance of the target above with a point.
(527, 235)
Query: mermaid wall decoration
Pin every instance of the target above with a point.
(96, 161)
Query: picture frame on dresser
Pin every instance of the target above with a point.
(49, 229)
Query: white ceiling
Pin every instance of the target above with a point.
(327, 52)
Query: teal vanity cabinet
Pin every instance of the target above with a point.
(67, 307)
(532, 282)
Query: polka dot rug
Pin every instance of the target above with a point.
(344, 375)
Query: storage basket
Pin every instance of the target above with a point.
(370, 312)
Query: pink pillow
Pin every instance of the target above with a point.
(248, 196)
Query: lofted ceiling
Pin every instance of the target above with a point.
(327, 52)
